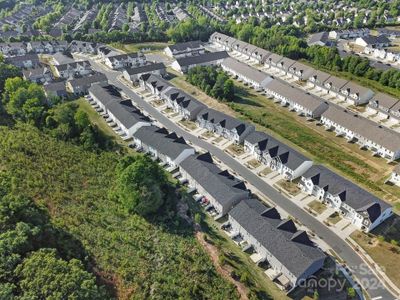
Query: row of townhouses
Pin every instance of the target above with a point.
(266, 149)
(363, 209)
(184, 64)
(343, 89)
(381, 141)
(23, 48)
(220, 190)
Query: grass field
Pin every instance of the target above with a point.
(383, 252)
(156, 46)
(312, 140)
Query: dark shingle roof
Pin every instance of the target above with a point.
(294, 250)
(202, 58)
(186, 46)
(221, 185)
(351, 194)
(162, 141)
(145, 68)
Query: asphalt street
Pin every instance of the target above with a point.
(359, 269)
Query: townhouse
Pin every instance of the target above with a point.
(38, 75)
(385, 106)
(104, 51)
(125, 60)
(72, 70)
(80, 86)
(133, 75)
(180, 13)
(13, 49)
(290, 254)
(371, 41)
(179, 50)
(300, 71)
(272, 61)
(276, 155)
(24, 61)
(230, 44)
(355, 94)
(220, 190)
(224, 125)
(299, 101)
(395, 175)
(389, 33)
(162, 145)
(319, 39)
(83, 47)
(363, 209)
(153, 83)
(184, 64)
(348, 33)
(380, 140)
(182, 103)
(42, 47)
(243, 72)
(121, 112)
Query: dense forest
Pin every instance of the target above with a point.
(213, 81)
(78, 220)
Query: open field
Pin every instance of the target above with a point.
(155, 46)
(382, 251)
(314, 141)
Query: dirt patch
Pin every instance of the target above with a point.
(224, 271)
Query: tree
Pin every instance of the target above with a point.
(141, 186)
(351, 292)
(45, 276)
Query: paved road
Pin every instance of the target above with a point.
(365, 276)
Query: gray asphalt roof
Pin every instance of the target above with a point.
(288, 156)
(73, 65)
(88, 80)
(320, 76)
(364, 127)
(383, 100)
(245, 70)
(350, 193)
(145, 68)
(126, 113)
(293, 250)
(306, 71)
(224, 120)
(202, 58)
(296, 95)
(221, 185)
(158, 139)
